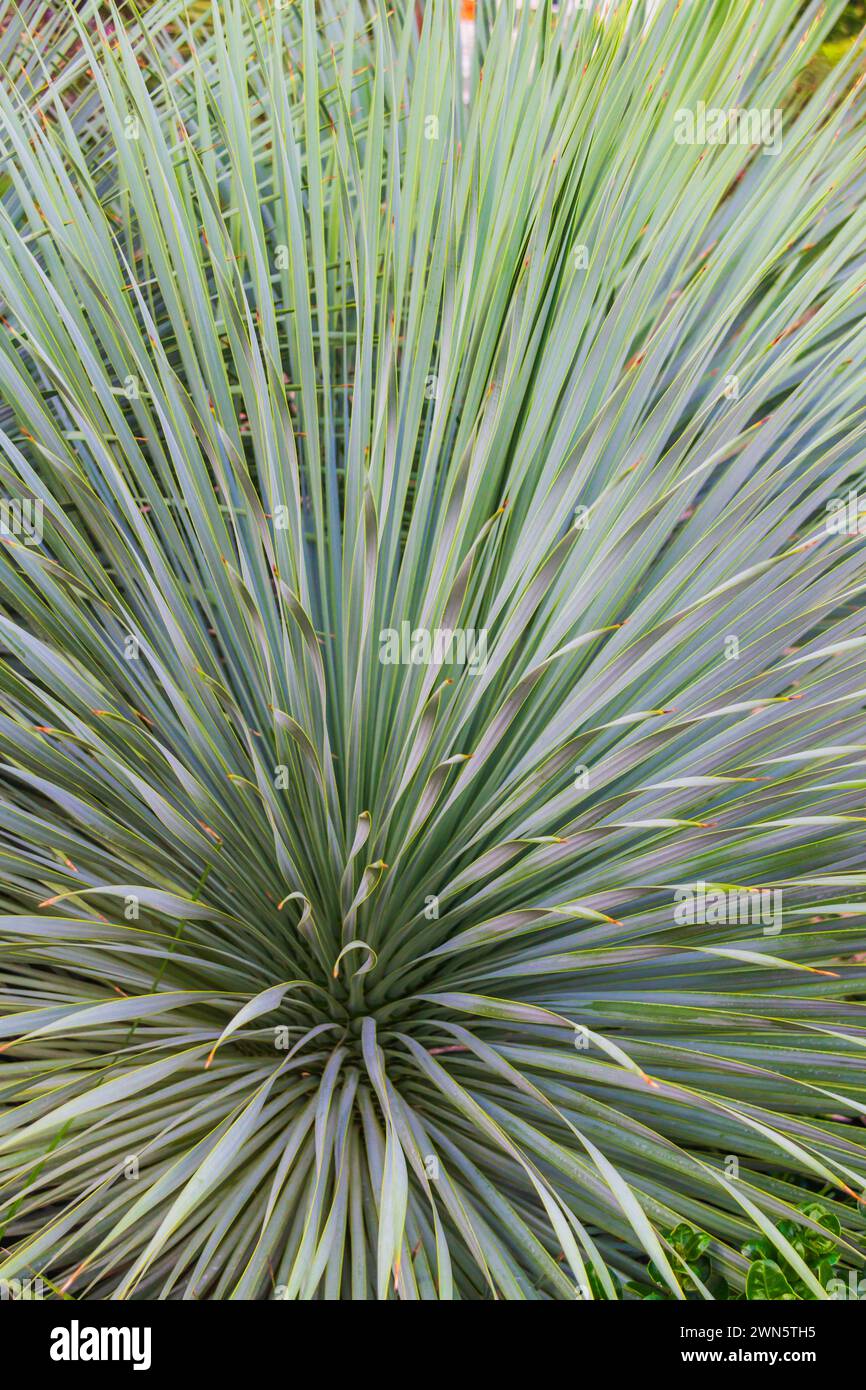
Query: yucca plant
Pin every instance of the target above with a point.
(432, 568)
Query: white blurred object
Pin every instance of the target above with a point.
(467, 39)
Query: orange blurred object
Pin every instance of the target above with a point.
(467, 9)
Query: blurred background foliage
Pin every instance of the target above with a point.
(841, 37)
